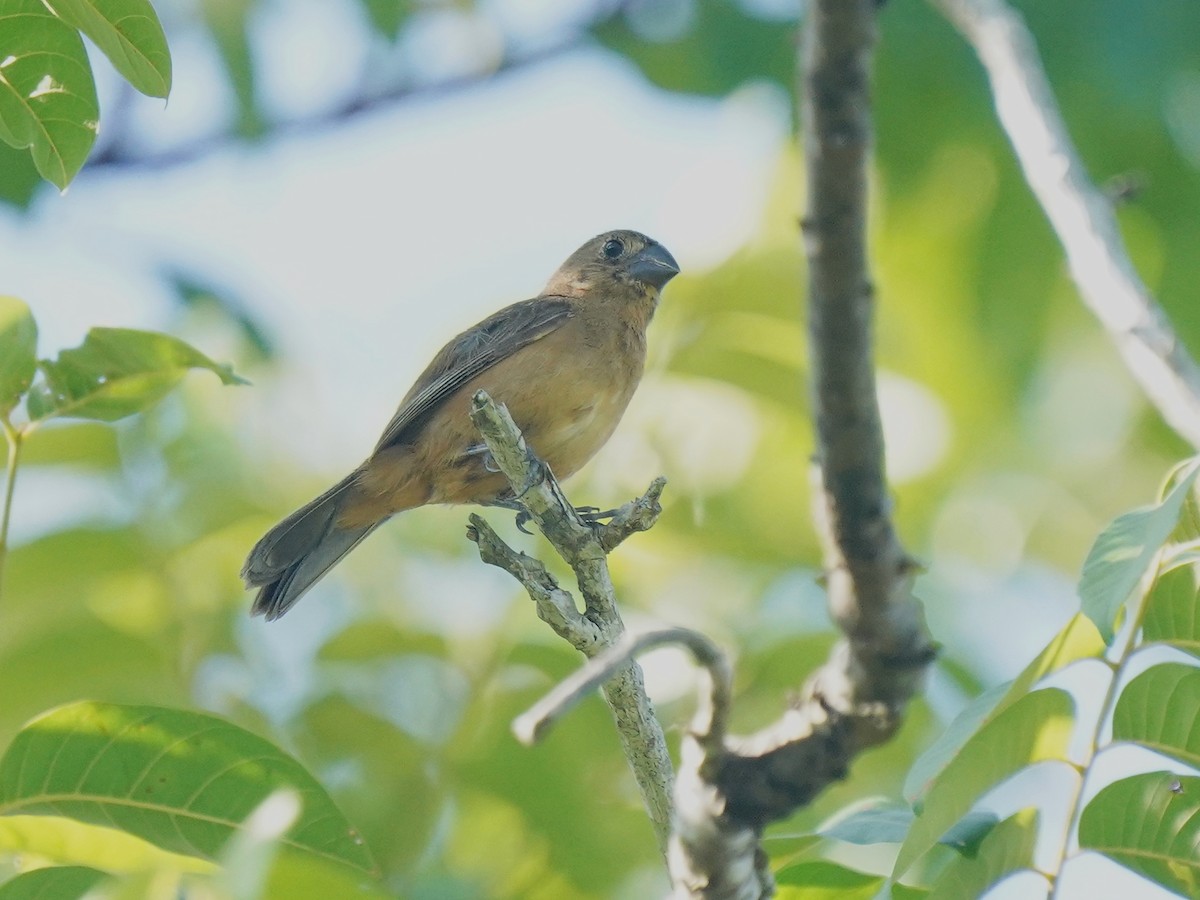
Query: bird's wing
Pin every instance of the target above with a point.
(475, 350)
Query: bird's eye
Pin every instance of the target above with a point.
(613, 248)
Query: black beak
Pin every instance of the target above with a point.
(653, 266)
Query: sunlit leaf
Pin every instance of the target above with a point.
(973, 716)
(1151, 824)
(71, 843)
(161, 884)
(298, 876)
(820, 879)
(79, 557)
(757, 344)
(256, 863)
(888, 822)
(117, 372)
(1078, 640)
(47, 95)
(18, 351)
(1120, 555)
(129, 34)
(88, 444)
(181, 780)
(1037, 727)
(1172, 611)
(387, 764)
(75, 656)
(56, 883)
(368, 640)
(1159, 710)
(538, 790)
(1006, 849)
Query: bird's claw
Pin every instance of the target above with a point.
(591, 515)
(523, 517)
(538, 474)
(485, 456)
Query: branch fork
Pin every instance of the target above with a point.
(584, 546)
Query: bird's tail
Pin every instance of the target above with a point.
(296, 553)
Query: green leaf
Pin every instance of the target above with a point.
(160, 885)
(1008, 848)
(181, 780)
(1158, 710)
(1035, 728)
(1151, 824)
(129, 34)
(300, 877)
(70, 843)
(1119, 557)
(84, 444)
(821, 879)
(19, 179)
(117, 372)
(387, 16)
(47, 95)
(1077, 640)
(930, 764)
(250, 854)
(58, 883)
(888, 822)
(18, 351)
(1172, 611)
(228, 22)
(719, 47)
(194, 292)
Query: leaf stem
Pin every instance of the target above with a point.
(15, 440)
(1132, 629)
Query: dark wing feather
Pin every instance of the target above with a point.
(475, 350)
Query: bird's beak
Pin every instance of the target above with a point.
(654, 266)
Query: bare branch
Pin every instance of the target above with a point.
(583, 546)
(1080, 214)
(869, 573)
(856, 699)
(710, 856)
(636, 516)
(712, 716)
(555, 606)
(118, 154)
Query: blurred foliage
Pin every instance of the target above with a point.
(1014, 436)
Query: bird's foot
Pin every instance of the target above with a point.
(512, 503)
(539, 473)
(485, 456)
(592, 515)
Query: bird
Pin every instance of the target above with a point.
(566, 364)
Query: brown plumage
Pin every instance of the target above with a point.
(566, 363)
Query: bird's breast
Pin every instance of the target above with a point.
(575, 408)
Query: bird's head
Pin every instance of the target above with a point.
(615, 259)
